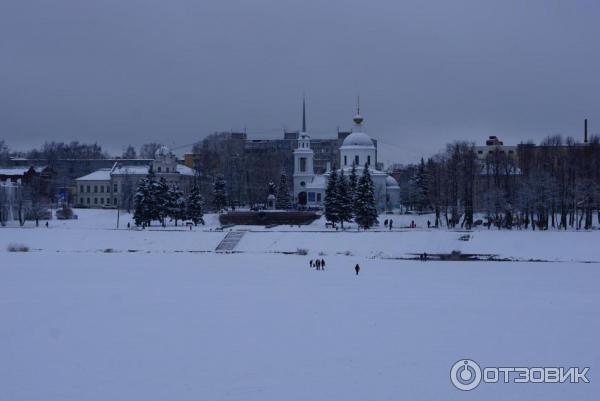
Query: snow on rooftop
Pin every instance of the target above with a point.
(184, 170)
(98, 175)
(14, 170)
(129, 170)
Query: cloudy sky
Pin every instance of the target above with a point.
(428, 72)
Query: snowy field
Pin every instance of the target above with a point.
(94, 313)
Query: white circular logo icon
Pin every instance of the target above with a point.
(465, 374)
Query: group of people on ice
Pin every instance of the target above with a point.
(319, 264)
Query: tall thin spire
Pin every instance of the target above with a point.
(358, 119)
(303, 114)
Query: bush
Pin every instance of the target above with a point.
(17, 248)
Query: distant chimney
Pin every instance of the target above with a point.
(585, 137)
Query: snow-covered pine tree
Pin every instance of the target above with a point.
(195, 203)
(332, 206)
(421, 190)
(344, 199)
(177, 204)
(162, 199)
(141, 215)
(352, 184)
(366, 211)
(144, 200)
(283, 200)
(219, 193)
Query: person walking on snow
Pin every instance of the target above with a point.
(322, 264)
(390, 223)
(310, 263)
(357, 269)
(318, 264)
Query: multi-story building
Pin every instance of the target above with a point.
(109, 187)
(494, 144)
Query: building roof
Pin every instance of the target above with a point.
(358, 139)
(184, 170)
(99, 175)
(21, 170)
(14, 170)
(119, 169)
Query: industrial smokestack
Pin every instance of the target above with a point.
(585, 138)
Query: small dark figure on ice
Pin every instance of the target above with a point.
(318, 264)
(390, 224)
(311, 263)
(357, 269)
(322, 264)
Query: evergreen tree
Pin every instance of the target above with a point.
(195, 204)
(141, 210)
(177, 204)
(352, 184)
(366, 211)
(344, 199)
(283, 200)
(162, 200)
(219, 193)
(420, 183)
(144, 200)
(332, 206)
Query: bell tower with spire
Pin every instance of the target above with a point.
(303, 160)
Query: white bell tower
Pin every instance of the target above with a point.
(303, 159)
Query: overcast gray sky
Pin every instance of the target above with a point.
(428, 72)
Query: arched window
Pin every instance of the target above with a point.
(369, 160)
(356, 160)
(345, 160)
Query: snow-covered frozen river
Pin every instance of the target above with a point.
(78, 323)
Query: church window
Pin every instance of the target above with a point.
(302, 164)
(345, 160)
(302, 184)
(356, 160)
(318, 197)
(311, 196)
(102, 188)
(115, 188)
(102, 201)
(369, 160)
(159, 169)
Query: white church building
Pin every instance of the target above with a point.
(357, 148)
